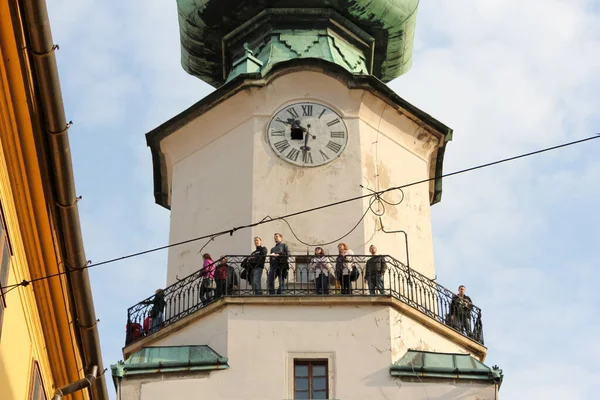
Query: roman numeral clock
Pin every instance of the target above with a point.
(307, 134)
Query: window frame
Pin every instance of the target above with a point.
(4, 267)
(36, 373)
(310, 363)
(291, 356)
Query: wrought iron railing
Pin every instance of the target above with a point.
(299, 276)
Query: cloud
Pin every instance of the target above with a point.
(510, 78)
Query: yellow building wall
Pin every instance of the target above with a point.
(21, 338)
(36, 323)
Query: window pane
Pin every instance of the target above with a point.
(5, 260)
(5, 257)
(301, 370)
(319, 383)
(301, 383)
(319, 370)
(35, 394)
(320, 395)
(301, 395)
(37, 389)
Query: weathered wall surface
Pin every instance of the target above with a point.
(360, 342)
(212, 330)
(224, 174)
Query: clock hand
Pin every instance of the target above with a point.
(306, 148)
(297, 130)
(306, 135)
(289, 121)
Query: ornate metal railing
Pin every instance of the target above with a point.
(299, 276)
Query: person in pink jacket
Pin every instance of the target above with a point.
(208, 275)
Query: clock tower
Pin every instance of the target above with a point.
(300, 123)
(300, 118)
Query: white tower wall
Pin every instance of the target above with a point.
(223, 174)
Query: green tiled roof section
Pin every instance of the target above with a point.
(248, 64)
(425, 364)
(203, 25)
(150, 360)
(286, 45)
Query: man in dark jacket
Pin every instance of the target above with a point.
(255, 265)
(375, 270)
(226, 280)
(460, 311)
(158, 307)
(279, 264)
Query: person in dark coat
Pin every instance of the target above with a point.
(255, 265)
(158, 307)
(279, 264)
(460, 311)
(374, 271)
(226, 279)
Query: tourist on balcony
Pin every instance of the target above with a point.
(460, 311)
(256, 262)
(279, 264)
(208, 274)
(343, 267)
(157, 311)
(375, 271)
(320, 265)
(226, 280)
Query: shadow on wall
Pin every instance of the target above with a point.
(382, 378)
(312, 314)
(426, 388)
(6, 390)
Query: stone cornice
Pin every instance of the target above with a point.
(474, 348)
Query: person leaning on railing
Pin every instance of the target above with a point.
(320, 265)
(158, 307)
(374, 271)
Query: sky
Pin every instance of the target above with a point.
(508, 76)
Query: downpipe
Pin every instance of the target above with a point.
(76, 386)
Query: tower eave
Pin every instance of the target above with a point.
(248, 80)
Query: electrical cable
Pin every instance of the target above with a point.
(265, 220)
(333, 241)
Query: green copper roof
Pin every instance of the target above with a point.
(444, 365)
(363, 36)
(288, 44)
(151, 360)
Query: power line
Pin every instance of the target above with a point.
(268, 219)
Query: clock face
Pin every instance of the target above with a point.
(307, 134)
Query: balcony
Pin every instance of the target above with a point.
(233, 276)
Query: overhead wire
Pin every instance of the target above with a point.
(375, 198)
(269, 219)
